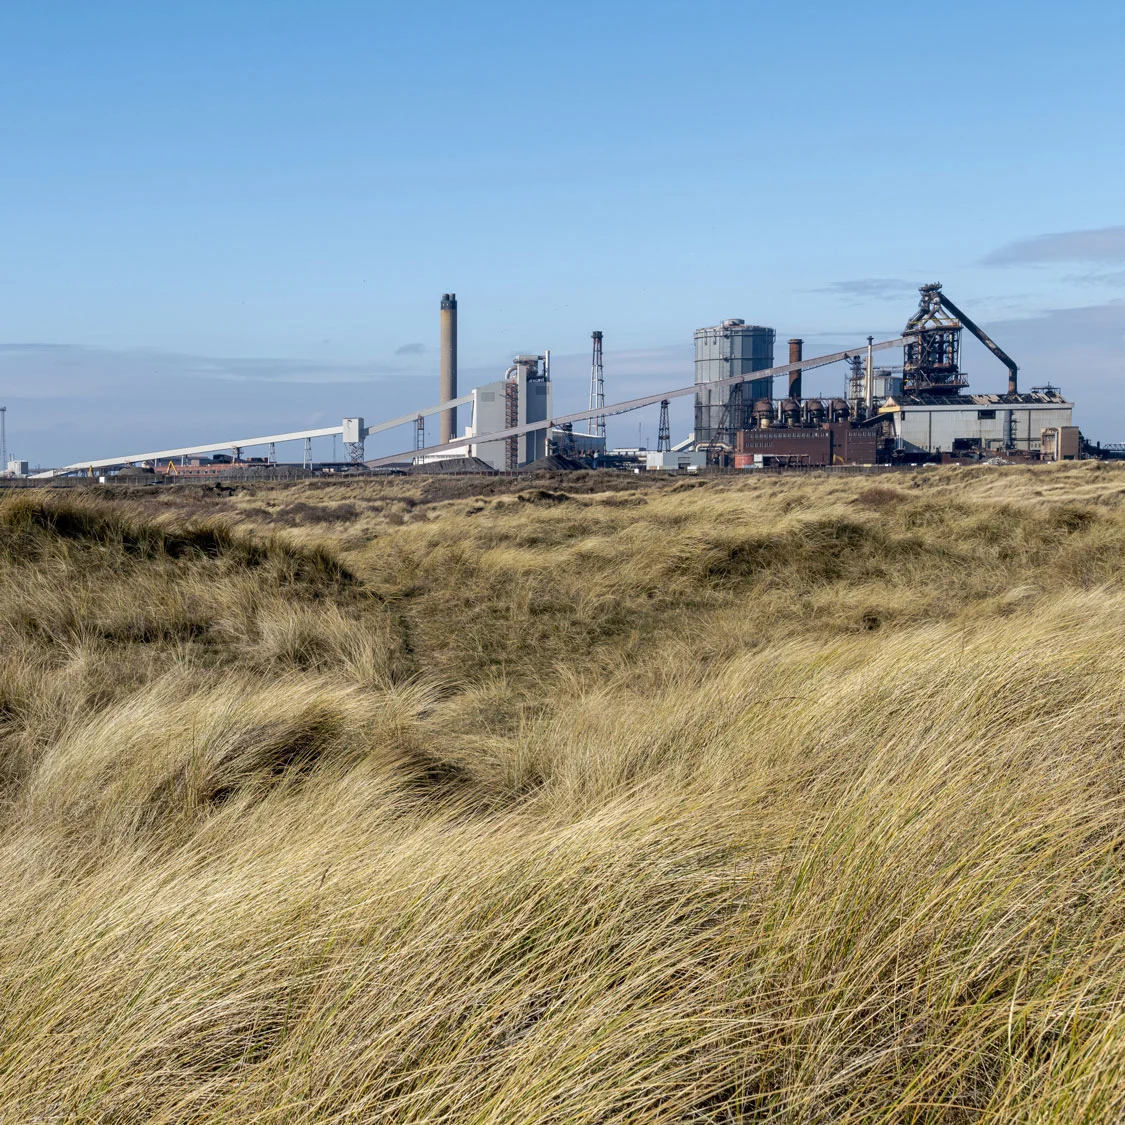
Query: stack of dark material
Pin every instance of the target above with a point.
(455, 465)
(555, 463)
(135, 474)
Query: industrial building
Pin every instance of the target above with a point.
(960, 424)
(933, 415)
(523, 396)
(727, 350)
(1063, 443)
(675, 461)
(569, 442)
(922, 410)
(741, 425)
(919, 411)
(806, 445)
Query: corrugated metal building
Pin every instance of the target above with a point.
(731, 348)
(524, 396)
(934, 423)
(490, 414)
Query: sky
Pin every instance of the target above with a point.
(238, 217)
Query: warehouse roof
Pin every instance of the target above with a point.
(972, 402)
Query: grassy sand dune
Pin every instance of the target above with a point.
(782, 799)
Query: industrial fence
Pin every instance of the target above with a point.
(255, 476)
(57, 482)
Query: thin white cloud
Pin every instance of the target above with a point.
(856, 290)
(62, 369)
(1106, 244)
(1109, 279)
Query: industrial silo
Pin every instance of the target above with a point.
(727, 350)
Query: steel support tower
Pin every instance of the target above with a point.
(596, 425)
(664, 431)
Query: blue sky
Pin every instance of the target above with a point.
(236, 217)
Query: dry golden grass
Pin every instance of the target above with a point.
(798, 800)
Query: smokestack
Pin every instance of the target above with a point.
(796, 354)
(869, 378)
(448, 364)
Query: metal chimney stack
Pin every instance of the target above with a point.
(448, 364)
(796, 354)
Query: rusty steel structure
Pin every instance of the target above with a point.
(511, 421)
(855, 383)
(932, 354)
(733, 419)
(984, 338)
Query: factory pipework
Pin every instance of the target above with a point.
(796, 348)
(448, 364)
(980, 334)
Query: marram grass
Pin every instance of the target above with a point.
(768, 800)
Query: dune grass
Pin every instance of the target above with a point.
(785, 799)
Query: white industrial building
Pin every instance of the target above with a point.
(522, 396)
(676, 461)
(936, 423)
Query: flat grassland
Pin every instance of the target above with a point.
(785, 799)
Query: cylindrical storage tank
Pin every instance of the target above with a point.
(840, 410)
(448, 364)
(814, 408)
(763, 412)
(727, 350)
(791, 412)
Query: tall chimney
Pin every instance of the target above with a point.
(796, 353)
(448, 364)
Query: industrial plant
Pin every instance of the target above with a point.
(915, 412)
(919, 411)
